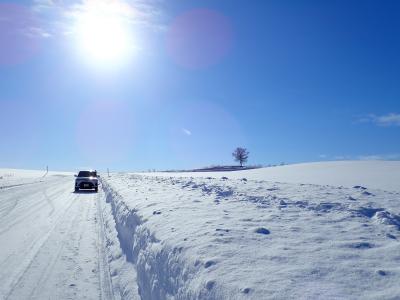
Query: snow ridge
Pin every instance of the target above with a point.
(160, 272)
(122, 272)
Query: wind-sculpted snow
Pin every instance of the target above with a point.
(223, 238)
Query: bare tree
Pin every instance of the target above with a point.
(241, 155)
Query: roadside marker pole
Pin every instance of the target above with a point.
(47, 171)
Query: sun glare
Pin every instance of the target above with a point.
(104, 39)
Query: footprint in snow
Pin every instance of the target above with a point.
(156, 212)
(273, 189)
(391, 236)
(262, 230)
(210, 284)
(381, 272)
(360, 245)
(246, 220)
(209, 263)
(359, 187)
(301, 204)
(282, 203)
(326, 207)
(365, 193)
(367, 211)
(387, 218)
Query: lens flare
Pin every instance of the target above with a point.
(199, 38)
(105, 132)
(18, 41)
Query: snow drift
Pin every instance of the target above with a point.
(324, 230)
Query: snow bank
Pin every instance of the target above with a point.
(214, 238)
(122, 274)
(383, 175)
(160, 271)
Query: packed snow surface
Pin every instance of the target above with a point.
(58, 244)
(307, 231)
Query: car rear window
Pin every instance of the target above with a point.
(87, 174)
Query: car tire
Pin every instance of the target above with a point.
(96, 189)
(76, 189)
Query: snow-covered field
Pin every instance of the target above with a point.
(374, 174)
(15, 177)
(236, 235)
(307, 231)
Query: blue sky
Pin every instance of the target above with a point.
(292, 81)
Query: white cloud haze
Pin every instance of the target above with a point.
(57, 16)
(391, 119)
(186, 131)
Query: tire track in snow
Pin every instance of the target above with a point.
(30, 256)
(62, 238)
(6, 187)
(54, 255)
(23, 205)
(103, 266)
(71, 262)
(23, 217)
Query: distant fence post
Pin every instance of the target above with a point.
(47, 171)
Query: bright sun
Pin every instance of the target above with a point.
(103, 37)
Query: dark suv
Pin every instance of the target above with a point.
(86, 180)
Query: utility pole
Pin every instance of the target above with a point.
(108, 172)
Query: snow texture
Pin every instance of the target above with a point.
(373, 174)
(308, 231)
(218, 236)
(14, 177)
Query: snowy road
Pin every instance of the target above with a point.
(52, 243)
